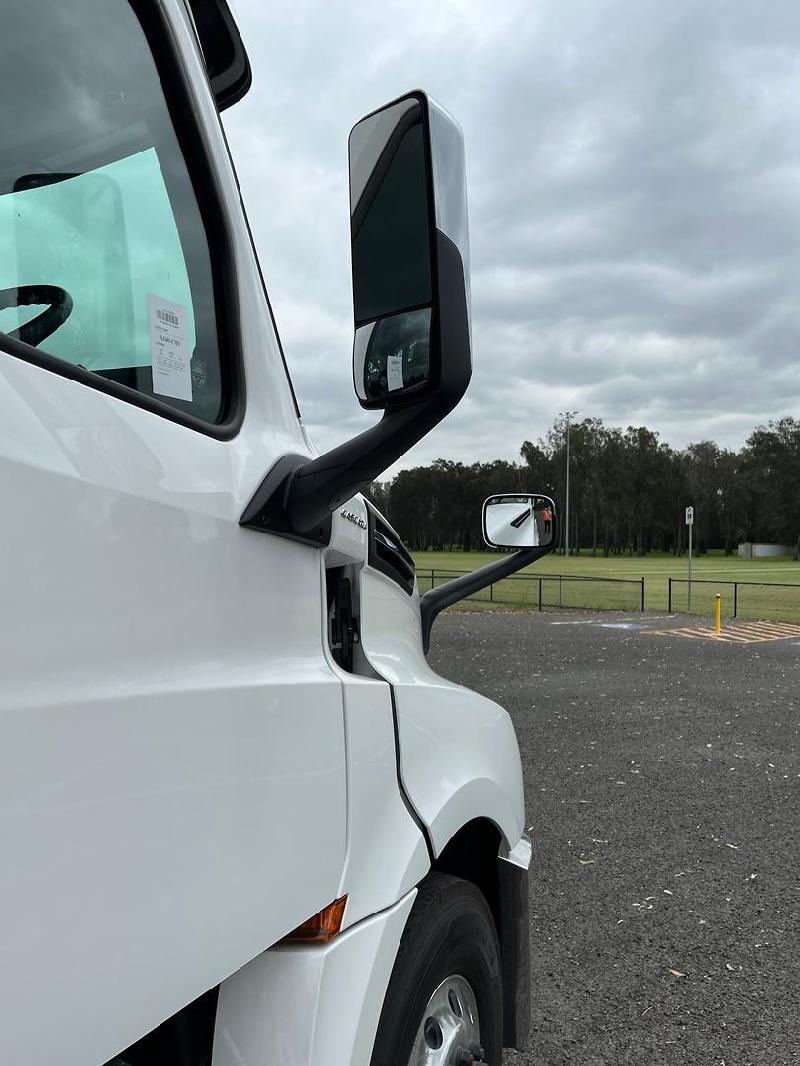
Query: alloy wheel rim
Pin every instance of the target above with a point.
(450, 1032)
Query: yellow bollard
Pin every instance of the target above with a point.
(717, 613)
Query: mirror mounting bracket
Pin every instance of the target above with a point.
(298, 495)
(268, 510)
(435, 600)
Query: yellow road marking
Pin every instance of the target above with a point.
(738, 633)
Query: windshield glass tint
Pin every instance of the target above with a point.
(96, 205)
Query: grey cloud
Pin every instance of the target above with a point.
(633, 174)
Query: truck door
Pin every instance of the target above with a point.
(172, 782)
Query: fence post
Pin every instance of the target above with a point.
(735, 597)
(642, 593)
(669, 595)
(560, 603)
(540, 594)
(491, 592)
(432, 578)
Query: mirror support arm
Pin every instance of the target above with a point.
(435, 600)
(298, 495)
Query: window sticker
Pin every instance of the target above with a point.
(394, 372)
(169, 348)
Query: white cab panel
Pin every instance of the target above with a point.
(386, 852)
(163, 672)
(459, 756)
(348, 543)
(311, 1006)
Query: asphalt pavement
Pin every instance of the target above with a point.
(663, 793)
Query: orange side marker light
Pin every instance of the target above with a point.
(321, 928)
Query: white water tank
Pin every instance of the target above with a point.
(763, 551)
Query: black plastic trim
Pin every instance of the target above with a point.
(435, 600)
(301, 502)
(310, 490)
(387, 554)
(205, 183)
(223, 51)
(515, 952)
(399, 311)
(267, 510)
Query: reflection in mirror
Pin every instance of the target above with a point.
(518, 521)
(391, 235)
(396, 353)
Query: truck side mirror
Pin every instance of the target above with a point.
(412, 351)
(514, 520)
(519, 521)
(410, 253)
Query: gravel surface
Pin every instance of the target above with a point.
(663, 791)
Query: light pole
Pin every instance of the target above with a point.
(569, 417)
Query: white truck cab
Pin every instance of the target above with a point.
(242, 821)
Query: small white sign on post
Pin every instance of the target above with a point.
(690, 523)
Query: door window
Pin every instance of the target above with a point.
(104, 258)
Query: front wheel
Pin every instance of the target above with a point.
(444, 1003)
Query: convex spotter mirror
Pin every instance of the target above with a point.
(410, 251)
(518, 521)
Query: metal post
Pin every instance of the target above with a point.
(566, 527)
(540, 594)
(642, 593)
(669, 595)
(432, 578)
(560, 604)
(491, 592)
(735, 597)
(717, 613)
(690, 571)
(566, 524)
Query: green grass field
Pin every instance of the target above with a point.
(759, 601)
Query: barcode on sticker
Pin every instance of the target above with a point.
(170, 354)
(167, 316)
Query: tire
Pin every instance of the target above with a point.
(450, 934)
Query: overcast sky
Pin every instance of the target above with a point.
(634, 187)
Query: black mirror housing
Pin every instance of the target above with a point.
(412, 352)
(410, 254)
(224, 54)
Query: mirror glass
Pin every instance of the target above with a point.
(518, 521)
(391, 232)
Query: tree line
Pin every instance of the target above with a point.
(628, 491)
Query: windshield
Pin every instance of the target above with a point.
(97, 212)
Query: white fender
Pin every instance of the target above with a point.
(459, 756)
(311, 1005)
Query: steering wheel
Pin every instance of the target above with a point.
(39, 328)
